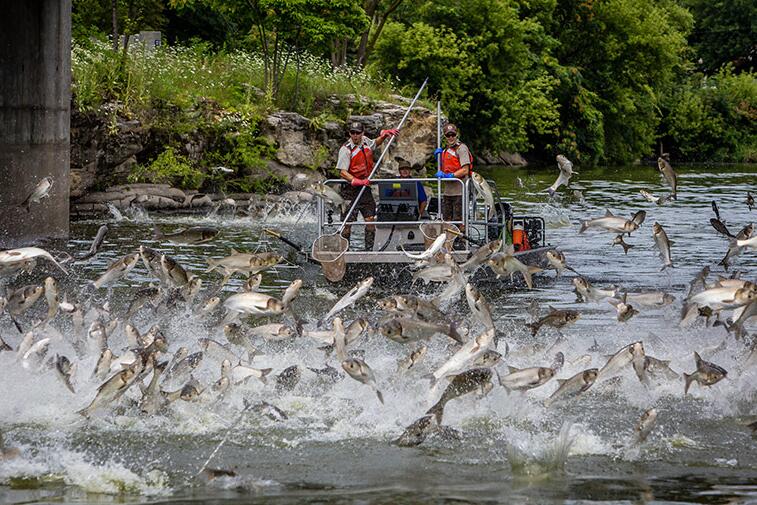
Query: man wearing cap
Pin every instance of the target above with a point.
(355, 164)
(456, 162)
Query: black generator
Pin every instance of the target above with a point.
(398, 201)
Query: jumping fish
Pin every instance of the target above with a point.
(361, 372)
(353, 295)
(706, 374)
(663, 245)
(669, 175)
(117, 270)
(476, 379)
(485, 192)
(574, 386)
(566, 172)
(610, 222)
(40, 191)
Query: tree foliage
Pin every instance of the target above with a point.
(481, 64)
(725, 32)
(597, 80)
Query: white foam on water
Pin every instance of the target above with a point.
(54, 463)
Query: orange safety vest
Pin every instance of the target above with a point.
(520, 240)
(361, 161)
(451, 161)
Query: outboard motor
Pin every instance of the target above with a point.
(504, 212)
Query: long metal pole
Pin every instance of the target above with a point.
(439, 158)
(381, 158)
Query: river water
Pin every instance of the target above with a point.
(336, 445)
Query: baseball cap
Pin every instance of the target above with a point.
(356, 126)
(450, 128)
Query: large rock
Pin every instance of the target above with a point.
(301, 145)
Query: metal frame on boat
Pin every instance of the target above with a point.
(405, 228)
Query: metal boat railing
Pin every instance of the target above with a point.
(476, 230)
(324, 226)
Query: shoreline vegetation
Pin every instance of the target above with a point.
(602, 84)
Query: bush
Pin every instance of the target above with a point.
(713, 118)
(169, 168)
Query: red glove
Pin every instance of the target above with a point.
(360, 182)
(392, 132)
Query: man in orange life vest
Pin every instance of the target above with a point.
(355, 163)
(456, 162)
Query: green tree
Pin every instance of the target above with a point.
(724, 32)
(483, 60)
(94, 17)
(618, 59)
(713, 118)
(282, 29)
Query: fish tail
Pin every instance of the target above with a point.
(527, 277)
(584, 226)
(212, 265)
(437, 410)
(86, 411)
(534, 327)
(687, 379)
(454, 334)
(551, 192)
(431, 379)
(626, 247)
(156, 231)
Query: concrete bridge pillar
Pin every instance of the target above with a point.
(35, 110)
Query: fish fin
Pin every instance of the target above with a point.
(697, 359)
(687, 379)
(608, 213)
(512, 369)
(265, 371)
(380, 396)
(234, 251)
(584, 226)
(551, 308)
(561, 381)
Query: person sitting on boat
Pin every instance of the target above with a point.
(456, 163)
(405, 171)
(355, 164)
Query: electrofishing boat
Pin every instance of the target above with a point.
(402, 232)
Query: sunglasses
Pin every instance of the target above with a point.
(450, 134)
(355, 131)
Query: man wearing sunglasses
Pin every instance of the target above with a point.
(456, 162)
(355, 164)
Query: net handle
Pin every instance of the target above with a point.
(381, 158)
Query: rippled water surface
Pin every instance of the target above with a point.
(336, 446)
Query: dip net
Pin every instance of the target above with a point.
(329, 251)
(432, 230)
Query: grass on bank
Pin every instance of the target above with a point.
(183, 75)
(181, 91)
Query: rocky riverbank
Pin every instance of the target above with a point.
(107, 147)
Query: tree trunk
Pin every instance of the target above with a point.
(114, 22)
(381, 22)
(369, 6)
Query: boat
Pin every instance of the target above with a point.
(400, 227)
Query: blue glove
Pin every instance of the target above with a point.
(443, 175)
(438, 151)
